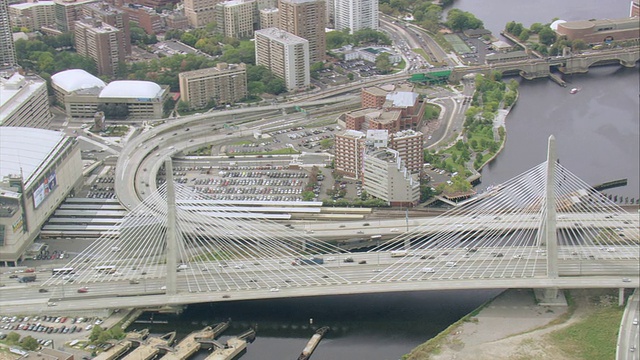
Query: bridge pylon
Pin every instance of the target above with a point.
(172, 232)
(550, 235)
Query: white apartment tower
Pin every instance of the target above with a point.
(237, 18)
(286, 55)
(356, 15)
(200, 12)
(7, 49)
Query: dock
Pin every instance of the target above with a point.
(189, 345)
(234, 347)
(313, 343)
(123, 346)
(216, 331)
(151, 347)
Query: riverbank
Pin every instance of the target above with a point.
(513, 326)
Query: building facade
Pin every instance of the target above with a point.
(349, 149)
(410, 147)
(600, 31)
(7, 48)
(111, 16)
(81, 95)
(24, 102)
(286, 55)
(67, 13)
(356, 15)
(101, 42)
(200, 12)
(33, 15)
(306, 19)
(38, 170)
(269, 18)
(224, 84)
(387, 178)
(146, 18)
(237, 18)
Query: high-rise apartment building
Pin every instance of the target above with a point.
(7, 49)
(349, 150)
(269, 18)
(225, 84)
(237, 18)
(33, 14)
(24, 102)
(111, 16)
(200, 12)
(356, 15)
(410, 148)
(286, 55)
(68, 12)
(386, 177)
(306, 19)
(101, 42)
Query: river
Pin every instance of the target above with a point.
(597, 135)
(597, 130)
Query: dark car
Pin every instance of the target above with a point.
(43, 290)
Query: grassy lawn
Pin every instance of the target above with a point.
(399, 67)
(422, 53)
(594, 337)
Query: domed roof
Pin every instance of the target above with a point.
(76, 79)
(554, 25)
(131, 89)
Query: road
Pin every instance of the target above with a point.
(628, 336)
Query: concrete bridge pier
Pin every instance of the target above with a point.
(550, 297)
(621, 297)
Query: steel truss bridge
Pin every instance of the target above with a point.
(545, 228)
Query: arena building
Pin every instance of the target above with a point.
(82, 94)
(38, 170)
(600, 31)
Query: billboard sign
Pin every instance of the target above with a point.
(42, 191)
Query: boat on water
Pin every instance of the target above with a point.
(574, 90)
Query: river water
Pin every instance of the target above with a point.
(597, 130)
(597, 136)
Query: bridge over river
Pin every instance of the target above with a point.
(179, 247)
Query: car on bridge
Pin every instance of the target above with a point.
(83, 290)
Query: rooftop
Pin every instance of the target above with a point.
(281, 36)
(24, 150)
(402, 98)
(384, 116)
(32, 4)
(131, 89)
(15, 90)
(76, 79)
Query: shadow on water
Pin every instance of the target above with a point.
(380, 325)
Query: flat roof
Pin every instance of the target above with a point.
(32, 4)
(402, 98)
(281, 36)
(15, 90)
(25, 150)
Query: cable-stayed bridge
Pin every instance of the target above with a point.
(180, 247)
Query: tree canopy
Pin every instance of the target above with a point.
(458, 20)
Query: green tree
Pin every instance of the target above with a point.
(524, 35)
(308, 196)
(350, 76)
(458, 20)
(29, 343)
(183, 106)
(188, 39)
(275, 86)
(95, 333)
(547, 36)
(578, 44)
(383, 63)
(535, 28)
(13, 337)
